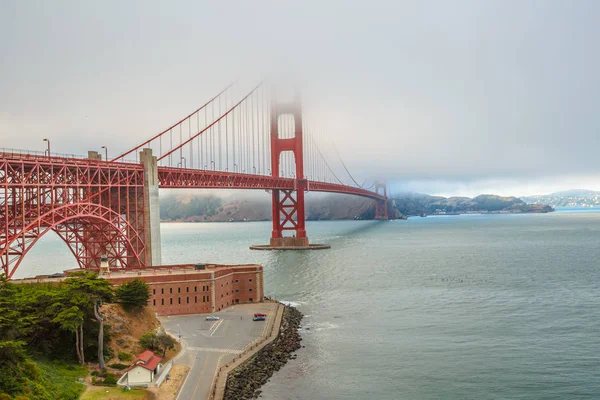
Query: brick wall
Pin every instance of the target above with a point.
(193, 292)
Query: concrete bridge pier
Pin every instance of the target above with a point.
(151, 208)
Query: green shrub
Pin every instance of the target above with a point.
(110, 379)
(118, 366)
(134, 294)
(123, 356)
(157, 342)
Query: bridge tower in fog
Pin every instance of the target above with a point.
(381, 211)
(288, 204)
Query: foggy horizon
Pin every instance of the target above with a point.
(459, 98)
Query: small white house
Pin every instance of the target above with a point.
(143, 371)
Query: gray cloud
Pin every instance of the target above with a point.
(460, 91)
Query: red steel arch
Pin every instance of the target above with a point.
(96, 208)
(89, 230)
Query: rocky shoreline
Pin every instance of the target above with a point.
(244, 382)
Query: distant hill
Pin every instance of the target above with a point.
(209, 208)
(567, 198)
(422, 204)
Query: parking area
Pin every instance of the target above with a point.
(209, 344)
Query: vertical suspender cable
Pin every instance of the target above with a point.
(220, 137)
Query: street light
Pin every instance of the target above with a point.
(212, 163)
(184, 162)
(105, 152)
(234, 167)
(47, 151)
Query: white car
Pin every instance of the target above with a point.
(212, 318)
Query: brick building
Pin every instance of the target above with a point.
(196, 289)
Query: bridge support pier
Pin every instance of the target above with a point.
(288, 205)
(151, 208)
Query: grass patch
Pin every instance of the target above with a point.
(62, 378)
(104, 393)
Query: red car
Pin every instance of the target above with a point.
(260, 315)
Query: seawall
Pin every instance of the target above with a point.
(244, 381)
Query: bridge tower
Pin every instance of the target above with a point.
(288, 205)
(381, 211)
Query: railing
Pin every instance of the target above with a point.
(163, 374)
(43, 155)
(20, 153)
(257, 343)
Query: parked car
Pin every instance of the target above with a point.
(258, 319)
(212, 318)
(260, 315)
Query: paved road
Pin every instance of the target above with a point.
(210, 344)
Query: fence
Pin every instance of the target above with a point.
(163, 374)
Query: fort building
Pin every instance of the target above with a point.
(187, 288)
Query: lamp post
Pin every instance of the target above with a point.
(212, 163)
(234, 167)
(183, 162)
(48, 150)
(105, 152)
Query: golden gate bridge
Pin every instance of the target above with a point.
(110, 208)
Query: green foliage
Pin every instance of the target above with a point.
(158, 342)
(110, 379)
(123, 356)
(149, 341)
(118, 366)
(40, 320)
(134, 294)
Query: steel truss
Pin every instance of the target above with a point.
(95, 207)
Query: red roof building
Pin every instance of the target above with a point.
(146, 360)
(143, 371)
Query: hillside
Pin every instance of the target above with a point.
(567, 198)
(214, 209)
(422, 204)
(126, 328)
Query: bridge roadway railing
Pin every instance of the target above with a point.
(170, 177)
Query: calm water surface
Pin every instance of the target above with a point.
(449, 307)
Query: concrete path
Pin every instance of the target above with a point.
(210, 344)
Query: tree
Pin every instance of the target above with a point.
(9, 316)
(166, 342)
(158, 342)
(149, 341)
(71, 319)
(100, 319)
(134, 294)
(82, 297)
(16, 367)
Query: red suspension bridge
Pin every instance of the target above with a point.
(110, 208)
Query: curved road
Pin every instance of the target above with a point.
(210, 344)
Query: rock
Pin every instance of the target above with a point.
(245, 381)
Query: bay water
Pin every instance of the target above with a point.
(446, 307)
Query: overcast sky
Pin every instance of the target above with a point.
(443, 97)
